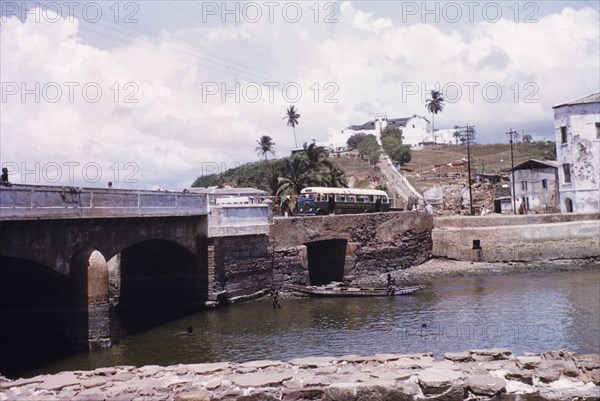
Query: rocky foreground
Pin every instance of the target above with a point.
(494, 374)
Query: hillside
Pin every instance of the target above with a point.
(431, 166)
(359, 172)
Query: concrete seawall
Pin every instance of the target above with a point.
(494, 374)
(517, 238)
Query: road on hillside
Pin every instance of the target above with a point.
(398, 183)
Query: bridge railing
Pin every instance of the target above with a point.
(49, 202)
(230, 220)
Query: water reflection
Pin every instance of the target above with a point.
(536, 312)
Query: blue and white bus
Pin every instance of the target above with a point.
(320, 201)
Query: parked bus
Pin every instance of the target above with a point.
(318, 200)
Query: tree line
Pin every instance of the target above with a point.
(283, 177)
(391, 142)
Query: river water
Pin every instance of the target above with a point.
(527, 312)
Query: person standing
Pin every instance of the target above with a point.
(4, 180)
(331, 204)
(275, 299)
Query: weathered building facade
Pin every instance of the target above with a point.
(536, 186)
(577, 131)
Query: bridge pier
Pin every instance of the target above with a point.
(242, 265)
(91, 327)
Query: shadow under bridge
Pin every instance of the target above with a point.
(326, 260)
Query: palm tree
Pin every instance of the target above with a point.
(456, 136)
(265, 145)
(336, 178)
(295, 175)
(434, 106)
(316, 154)
(292, 119)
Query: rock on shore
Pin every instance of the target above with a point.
(494, 374)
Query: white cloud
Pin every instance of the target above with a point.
(174, 131)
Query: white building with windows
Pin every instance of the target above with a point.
(415, 129)
(577, 132)
(536, 186)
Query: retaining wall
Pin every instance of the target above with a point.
(517, 238)
(377, 242)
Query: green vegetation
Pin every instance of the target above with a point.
(354, 141)
(287, 176)
(369, 148)
(292, 120)
(545, 149)
(434, 105)
(265, 145)
(391, 141)
(255, 175)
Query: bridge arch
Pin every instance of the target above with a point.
(37, 305)
(326, 260)
(159, 274)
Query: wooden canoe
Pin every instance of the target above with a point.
(342, 291)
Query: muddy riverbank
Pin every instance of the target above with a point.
(443, 268)
(493, 374)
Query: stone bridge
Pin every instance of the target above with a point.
(321, 249)
(72, 258)
(58, 247)
(71, 255)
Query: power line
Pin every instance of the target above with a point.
(512, 169)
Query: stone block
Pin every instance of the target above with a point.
(261, 379)
(312, 362)
(437, 381)
(257, 397)
(194, 396)
(521, 375)
(547, 375)
(303, 394)
(58, 381)
(458, 356)
(528, 362)
(486, 385)
(587, 361)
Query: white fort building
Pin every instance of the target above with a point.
(416, 130)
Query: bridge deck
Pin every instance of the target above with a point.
(24, 202)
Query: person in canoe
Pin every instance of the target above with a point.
(391, 285)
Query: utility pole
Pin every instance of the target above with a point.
(468, 131)
(512, 170)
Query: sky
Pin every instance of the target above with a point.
(153, 94)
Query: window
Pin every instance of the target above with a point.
(563, 134)
(524, 185)
(567, 173)
(544, 184)
(597, 130)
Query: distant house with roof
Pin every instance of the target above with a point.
(415, 129)
(577, 132)
(536, 186)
